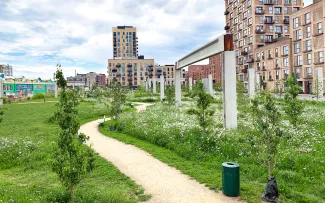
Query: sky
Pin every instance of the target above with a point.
(36, 35)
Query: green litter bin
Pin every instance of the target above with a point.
(230, 179)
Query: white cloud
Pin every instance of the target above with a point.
(81, 30)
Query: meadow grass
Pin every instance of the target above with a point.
(26, 140)
(175, 138)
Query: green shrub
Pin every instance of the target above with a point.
(38, 96)
(5, 100)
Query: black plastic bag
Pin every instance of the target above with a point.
(271, 193)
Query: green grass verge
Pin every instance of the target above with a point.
(25, 161)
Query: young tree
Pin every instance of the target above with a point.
(242, 98)
(266, 117)
(318, 88)
(72, 159)
(170, 95)
(118, 95)
(202, 111)
(293, 107)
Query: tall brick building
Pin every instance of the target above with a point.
(256, 23)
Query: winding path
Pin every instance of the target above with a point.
(166, 184)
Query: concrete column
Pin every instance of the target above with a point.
(178, 89)
(210, 84)
(251, 82)
(190, 83)
(229, 90)
(162, 87)
(56, 90)
(320, 81)
(1, 87)
(154, 87)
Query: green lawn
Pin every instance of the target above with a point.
(25, 160)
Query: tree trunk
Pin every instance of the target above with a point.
(269, 169)
(72, 193)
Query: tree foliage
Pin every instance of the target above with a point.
(72, 159)
(202, 111)
(293, 107)
(118, 95)
(267, 117)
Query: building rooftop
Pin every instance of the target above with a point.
(123, 27)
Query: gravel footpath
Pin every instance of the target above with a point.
(166, 184)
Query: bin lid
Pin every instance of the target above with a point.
(230, 164)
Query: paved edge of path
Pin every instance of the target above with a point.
(166, 184)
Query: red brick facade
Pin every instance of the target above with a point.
(199, 72)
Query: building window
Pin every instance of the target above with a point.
(270, 10)
(309, 71)
(285, 62)
(308, 32)
(285, 10)
(261, 19)
(299, 60)
(308, 59)
(319, 28)
(271, 29)
(307, 18)
(295, 22)
(298, 34)
(276, 52)
(297, 48)
(277, 10)
(286, 29)
(308, 45)
(285, 50)
(294, 2)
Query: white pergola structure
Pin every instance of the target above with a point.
(221, 45)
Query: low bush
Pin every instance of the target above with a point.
(5, 100)
(38, 96)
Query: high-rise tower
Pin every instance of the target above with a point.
(125, 42)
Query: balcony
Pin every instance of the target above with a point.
(260, 31)
(118, 65)
(259, 12)
(227, 27)
(244, 53)
(226, 12)
(244, 70)
(263, 68)
(285, 55)
(286, 21)
(271, 79)
(250, 60)
(268, 2)
(268, 21)
(240, 63)
(129, 79)
(269, 57)
(114, 70)
(159, 70)
(129, 69)
(118, 75)
(129, 65)
(277, 67)
(270, 40)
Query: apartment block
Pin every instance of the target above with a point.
(86, 80)
(6, 70)
(199, 72)
(308, 44)
(273, 63)
(256, 23)
(130, 72)
(125, 42)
